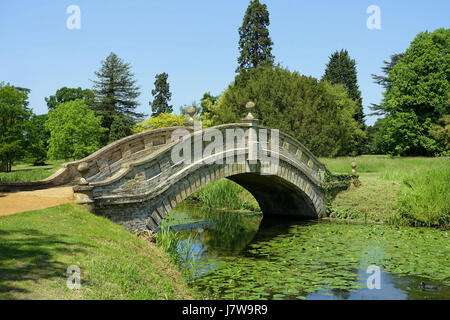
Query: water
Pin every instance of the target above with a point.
(243, 256)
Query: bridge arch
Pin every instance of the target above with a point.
(141, 193)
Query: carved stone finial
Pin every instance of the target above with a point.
(249, 106)
(353, 165)
(83, 167)
(191, 111)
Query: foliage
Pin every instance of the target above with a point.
(318, 114)
(162, 95)
(417, 96)
(75, 131)
(424, 199)
(116, 96)
(209, 107)
(36, 139)
(383, 80)
(341, 69)
(69, 94)
(255, 45)
(114, 263)
(442, 133)
(14, 115)
(163, 120)
(402, 133)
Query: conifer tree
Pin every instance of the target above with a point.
(162, 95)
(341, 69)
(255, 45)
(115, 98)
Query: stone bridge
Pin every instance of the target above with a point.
(136, 181)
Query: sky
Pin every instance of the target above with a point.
(196, 42)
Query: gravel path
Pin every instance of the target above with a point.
(14, 202)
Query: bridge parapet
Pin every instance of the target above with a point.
(147, 172)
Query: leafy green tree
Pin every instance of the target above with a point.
(116, 96)
(36, 139)
(403, 134)
(208, 105)
(69, 94)
(341, 69)
(162, 120)
(162, 95)
(75, 131)
(417, 96)
(318, 114)
(442, 133)
(255, 45)
(371, 132)
(14, 115)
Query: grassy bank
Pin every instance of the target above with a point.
(408, 191)
(28, 172)
(37, 247)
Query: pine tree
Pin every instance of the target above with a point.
(341, 69)
(255, 45)
(115, 97)
(162, 95)
(383, 81)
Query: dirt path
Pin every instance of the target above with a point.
(14, 202)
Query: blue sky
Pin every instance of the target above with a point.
(196, 42)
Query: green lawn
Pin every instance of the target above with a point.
(384, 180)
(28, 172)
(37, 247)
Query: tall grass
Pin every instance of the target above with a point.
(389, 168)
(180, 251)
(225, 194)
(424, 199)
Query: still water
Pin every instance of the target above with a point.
(235, 255)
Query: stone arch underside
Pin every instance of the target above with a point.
(287, 192)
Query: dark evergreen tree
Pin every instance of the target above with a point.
(255, 45)
(115, 98)
(341, 69)
(383, 81)
(162, 95)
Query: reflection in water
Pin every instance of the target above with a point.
(242, 256)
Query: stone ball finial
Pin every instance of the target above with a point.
(249, 105)
(83, 167)
(191, 111)
(353, 165)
